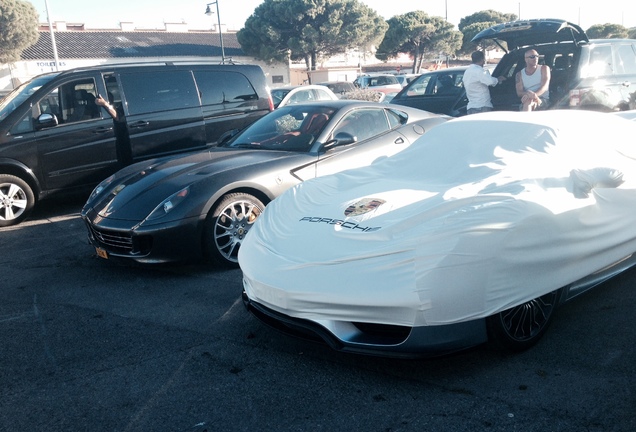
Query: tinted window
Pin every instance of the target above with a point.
(394, 119)
(626, 59)
(223, 87)
(159, 91)
(322, 95)
(15, 98)
(363, 123)
(70, 103)
(302, 96)
(340, 87)
(600, 63)
(278, 95)
(419, 86)
(112, 88)
(382, 80)
(449, 83)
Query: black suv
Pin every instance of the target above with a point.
(597, 74)
(441, 92)
(55, 138)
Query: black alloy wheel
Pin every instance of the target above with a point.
(518, 328)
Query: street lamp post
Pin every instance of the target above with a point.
(209, 12)
(48, 17)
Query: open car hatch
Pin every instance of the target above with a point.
(523, 33)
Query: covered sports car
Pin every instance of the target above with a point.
(478, 230)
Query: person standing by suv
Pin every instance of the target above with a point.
(532, 83)
(476, 82)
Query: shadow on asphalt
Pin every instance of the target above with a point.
(55, 207)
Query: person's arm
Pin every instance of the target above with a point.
(488, 79)
(99, 100)
(519, 84)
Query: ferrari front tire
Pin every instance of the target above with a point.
(228, 224)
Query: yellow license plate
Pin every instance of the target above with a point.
(101, 253)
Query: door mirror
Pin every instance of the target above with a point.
(46, 121)
(227, 136)
(341, 138)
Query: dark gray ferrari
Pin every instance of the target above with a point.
(203, 204)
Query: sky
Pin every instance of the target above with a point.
(152, 14)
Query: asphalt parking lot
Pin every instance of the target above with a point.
(90, 345)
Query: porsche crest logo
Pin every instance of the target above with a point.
(363, 206)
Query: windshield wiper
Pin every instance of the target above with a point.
(244, 145)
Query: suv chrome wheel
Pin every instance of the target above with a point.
(16, 200)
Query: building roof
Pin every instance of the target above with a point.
(121, 44)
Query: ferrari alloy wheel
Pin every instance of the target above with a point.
(520, 327)
(228, 224)
(16, 200)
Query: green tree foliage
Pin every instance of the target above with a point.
(419, 35)
(470, 31)
(485, 16)
(607, 31)
(18, 28)
(308, 29)
(472, 24)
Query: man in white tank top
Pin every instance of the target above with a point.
(532, 83)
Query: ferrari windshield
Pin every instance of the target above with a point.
(290, 128)
(19, 95)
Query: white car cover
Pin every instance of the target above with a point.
(481, 214)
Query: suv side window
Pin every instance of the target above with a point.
(114, 96)
(600, 64)
(223, 87)
(626, 59)
(386, 80)
(148, 92)
(77, 101)
(418, 88)
(362, 82)
(69, 103)
(449, 84)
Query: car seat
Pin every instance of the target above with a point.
(314, 124)
(84, 106)
(367, 126)
(446, 85)
(559, 78)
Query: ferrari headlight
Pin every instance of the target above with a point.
(169, 203)
(100, 187)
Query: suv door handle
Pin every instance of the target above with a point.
(626, 83)
(140, 123)
(101, 130)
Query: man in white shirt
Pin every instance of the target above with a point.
(532, 83)
(476, 82)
